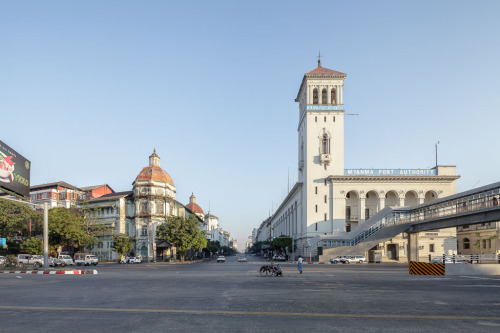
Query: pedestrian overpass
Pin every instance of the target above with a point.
(480, 205)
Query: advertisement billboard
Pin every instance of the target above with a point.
(14, 171)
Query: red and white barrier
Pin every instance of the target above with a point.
(73, 272)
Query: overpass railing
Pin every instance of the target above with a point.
(470, 201)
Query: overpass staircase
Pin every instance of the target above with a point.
(386, 224)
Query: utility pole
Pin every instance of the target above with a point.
(437, 154)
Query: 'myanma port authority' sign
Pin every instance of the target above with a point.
(14, 171)
(390, 172)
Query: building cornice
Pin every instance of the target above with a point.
(392, 179)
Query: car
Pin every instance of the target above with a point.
(67, 259)
(337, 259)
(221, 259)
(353, 259)
(56, 262)
(136, 260)
(242, 259)
(131, 260)
(86, 259)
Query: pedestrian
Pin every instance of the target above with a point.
(299, 264)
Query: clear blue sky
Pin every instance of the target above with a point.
(88, 89)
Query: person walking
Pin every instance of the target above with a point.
(299, 264)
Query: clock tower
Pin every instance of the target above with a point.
(320, 145)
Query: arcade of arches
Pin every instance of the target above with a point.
(360, 206)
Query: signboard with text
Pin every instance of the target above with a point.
(390, 172)
(14, 171)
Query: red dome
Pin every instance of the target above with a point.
(193, 206)
(153, 172)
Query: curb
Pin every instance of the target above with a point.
(73, 272)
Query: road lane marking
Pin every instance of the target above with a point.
(212, 312)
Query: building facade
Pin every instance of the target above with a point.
(329, 199)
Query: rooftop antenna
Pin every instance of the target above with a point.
(437, 154)
(288, 179)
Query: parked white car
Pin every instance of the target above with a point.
(353, 259)
(67, 259)
(86, 259)
(221, 259)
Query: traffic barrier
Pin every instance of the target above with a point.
(73, 272)
(423, 268)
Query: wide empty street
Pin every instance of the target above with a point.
(233, 297)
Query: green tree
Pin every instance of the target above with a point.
(183, 234)
(14, 218)
(67, 227)
(33, 245)
(282, 242)
(212, 247)
(122, 244)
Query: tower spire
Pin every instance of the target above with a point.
(319, 59)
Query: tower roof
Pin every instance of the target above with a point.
(193, 206)
(320, 72)
(154, 172)
(324, 71)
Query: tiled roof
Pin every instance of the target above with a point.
(153, 172)
(195, 207)
(324, 71)
(60, 183)
(88, 188)
(111, 196)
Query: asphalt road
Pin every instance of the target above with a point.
(233, 297)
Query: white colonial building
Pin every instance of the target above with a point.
(328, 199)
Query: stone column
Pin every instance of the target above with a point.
(328, 95)
(362, 209)
(381, 202)
(309, 95)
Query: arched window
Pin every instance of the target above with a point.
(325, 144)
(315, 96)
(466, 243)
(324, 97)
(144, 230)
(333, 96)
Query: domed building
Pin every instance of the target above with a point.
(194, 207)
(154, 200)
(139, 212)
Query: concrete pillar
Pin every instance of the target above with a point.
(381, 202)
(412, 249)
(362, 210)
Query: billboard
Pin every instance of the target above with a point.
(14, 171)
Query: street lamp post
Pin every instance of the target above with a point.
(45, 235)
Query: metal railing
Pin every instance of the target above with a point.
(465, 258)
(457, 204)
